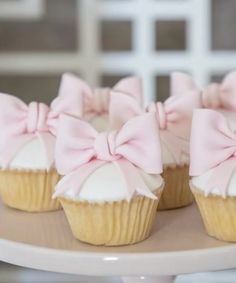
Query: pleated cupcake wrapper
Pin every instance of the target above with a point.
(218, 214)
(112, 223)
(29, 190)
(176, 191)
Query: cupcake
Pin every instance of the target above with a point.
(174, 118)
(27, 144)
(112, 183)
(94, 102)
(212, 167)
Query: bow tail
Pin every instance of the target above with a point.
(12, 148)
(75, 179)
(133, 179)
(175, 145)
(221, 177)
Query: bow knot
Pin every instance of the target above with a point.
(99, 102)
(104, 146)
(37, 117)
(211, 96)
(159, 109)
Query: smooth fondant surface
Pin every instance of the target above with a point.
(108, 184)
(32, 156)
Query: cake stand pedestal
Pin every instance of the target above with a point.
(177, 245)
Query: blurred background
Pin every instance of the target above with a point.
(103, 41)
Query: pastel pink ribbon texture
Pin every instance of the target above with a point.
(20, 123)
(212, 146)
(174, 116)
(80, 150)
(215, 95)
(221, 95)
(95, 101)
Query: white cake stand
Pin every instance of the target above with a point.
(178, 245)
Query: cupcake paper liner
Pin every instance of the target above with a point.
(29, 190)
(112, 223)
(176, 192)
(218, 214)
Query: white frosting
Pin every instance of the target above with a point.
(168, 158)
(31, 157)
(200, 182)
(107, 184)
(100, 123)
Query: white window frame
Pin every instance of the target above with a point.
(143, 60)
(22, 9)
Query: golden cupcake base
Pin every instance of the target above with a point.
(29, 190)
(176, 192)
(218, 214)
(112, 223)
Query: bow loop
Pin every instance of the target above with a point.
(131, 87)
(212, 147)
(181, 83)
(96, 101)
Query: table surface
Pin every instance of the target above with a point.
(177, 245)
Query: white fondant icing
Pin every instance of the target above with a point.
(107, 184)
(31, 157)
(169, 159)
(200, 182)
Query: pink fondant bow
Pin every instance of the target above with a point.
(174, 116)
(20, 123)
(80, 150)
(212, 146)
(221, 95)
(181, 83)
(95, 101)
